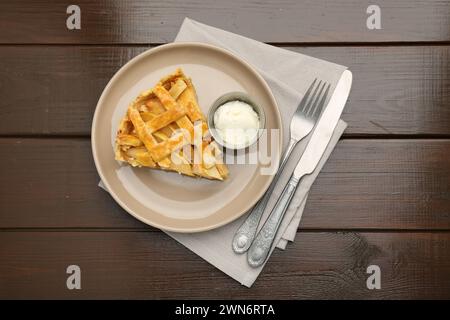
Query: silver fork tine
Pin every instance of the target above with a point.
(313, 98)
(305, 97)
(316, 100)
(319, 106)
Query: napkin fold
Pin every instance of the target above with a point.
(289, 74)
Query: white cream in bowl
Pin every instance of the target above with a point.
(237, 123)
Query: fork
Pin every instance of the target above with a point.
(302, 123)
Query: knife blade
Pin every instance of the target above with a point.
(321, 136)
(324, 128)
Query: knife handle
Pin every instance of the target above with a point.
(244, 236)
(260, 248)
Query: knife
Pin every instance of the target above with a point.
(321, 136)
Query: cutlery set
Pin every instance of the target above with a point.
(310, 114)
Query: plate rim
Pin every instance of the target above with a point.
(106, 90)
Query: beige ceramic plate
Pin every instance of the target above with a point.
(164, 199)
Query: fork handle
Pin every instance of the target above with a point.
(246, 233)
(260, 248)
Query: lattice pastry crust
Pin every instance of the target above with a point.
(164, 128)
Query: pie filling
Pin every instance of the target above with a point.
(164, 128)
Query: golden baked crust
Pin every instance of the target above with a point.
(164, 128)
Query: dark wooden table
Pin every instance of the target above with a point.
(382, 199)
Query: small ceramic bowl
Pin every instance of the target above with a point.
(233, 96)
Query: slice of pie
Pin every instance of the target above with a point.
(164, 128)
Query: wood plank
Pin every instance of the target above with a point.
(388, 184)
(151, 265)
(44, 21)
(54, 90)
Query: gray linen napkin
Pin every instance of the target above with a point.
(288, 74)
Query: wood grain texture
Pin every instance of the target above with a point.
(44, 21)
(377, 201)
(366, 184)
(151, 265)
(54, 90)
